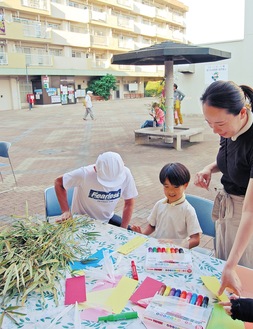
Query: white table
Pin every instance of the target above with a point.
(112, 237)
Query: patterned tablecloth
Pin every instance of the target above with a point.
(40, 316)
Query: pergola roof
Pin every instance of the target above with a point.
(179, 53)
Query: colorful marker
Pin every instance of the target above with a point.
(163, 249)
(193, 299)
(168, 250)
(117, 317)
(205, 302)
(159, 249)
(176, 250)
(172, 292)
(134, 271)
(177, 293)
(154, 249)
(199, 300)
(162, 290)
(181, 250)
(183, 294)
(150, 249)
(188, 297)
(167, 291)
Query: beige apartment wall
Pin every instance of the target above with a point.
(240, 68)
(92, 49)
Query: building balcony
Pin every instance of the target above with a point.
(70, 13)
(35, 59)
(101, 63)
(72, 63)
(164, 14)
(120, 4)
(164, 33)
(67, 38)
(43, 5)
(143, 29)
(25, 32)
(144, 10)
(118, 22)
(99, 40)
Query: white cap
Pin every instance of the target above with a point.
(110, 169)
(89, 92)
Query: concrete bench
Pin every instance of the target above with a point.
(145, 135)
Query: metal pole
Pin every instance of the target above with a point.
(26, 70)
(169, 94)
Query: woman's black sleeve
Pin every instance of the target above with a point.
(242, 309)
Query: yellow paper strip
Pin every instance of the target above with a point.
(97, 299)
(213, 284)
(131, 245)
(121, 294)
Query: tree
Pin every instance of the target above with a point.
(102, 86)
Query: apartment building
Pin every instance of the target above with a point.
(51, 49)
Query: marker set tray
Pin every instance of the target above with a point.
(177, 313)
(168, 259)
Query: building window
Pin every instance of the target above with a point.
(55, 52)
(76, 54)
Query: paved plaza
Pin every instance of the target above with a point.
(50, 140)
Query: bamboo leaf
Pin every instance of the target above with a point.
(1, 319)
(8, 279)
(17, 276)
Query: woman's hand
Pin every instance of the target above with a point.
(203, 178)
(230, 280)
(227, 305)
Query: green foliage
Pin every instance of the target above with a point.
(153, 88)
(103, 85)
(150, 92)
(34, 255)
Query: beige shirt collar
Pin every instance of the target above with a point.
(246, 127)
(181, 200)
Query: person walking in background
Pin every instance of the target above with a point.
(158, 117)
(173, 217)
(88, 106)
(97, 190)
(227, 109)
(30, 100)
(178, 97)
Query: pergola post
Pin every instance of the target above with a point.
(169, 96)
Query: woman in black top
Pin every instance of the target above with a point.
(227, 110)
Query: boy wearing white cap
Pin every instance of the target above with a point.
(88, 106)
(97, 190)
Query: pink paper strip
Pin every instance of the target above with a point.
(147, 288)
(75, 290)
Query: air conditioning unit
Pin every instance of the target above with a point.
(186, 68)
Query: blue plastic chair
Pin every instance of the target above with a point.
(203, 208)
(4, 153)
(52, 206)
